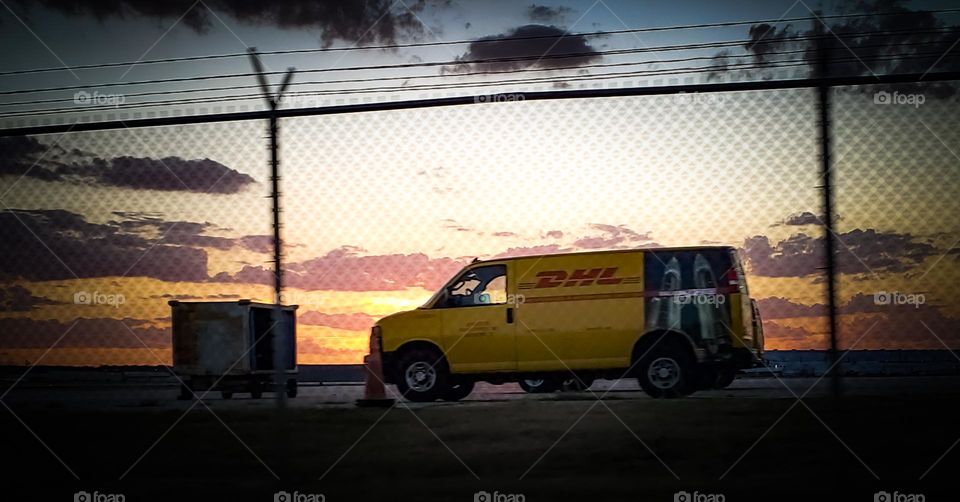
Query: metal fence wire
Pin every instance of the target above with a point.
(100, 229)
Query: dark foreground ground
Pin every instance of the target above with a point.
(557, 447)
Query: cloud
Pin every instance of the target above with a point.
(356, 21)
(547, 14)
(611, 236)
(17, 298)
(96, 332)
(345, 269)
(542, 46)
(910, 41)
(554, 234)
(54, 244)
(860, 251)
(777, 307)
(800, 219)
(902, 327)
(25, 156)
(531, 251)
(354, 322)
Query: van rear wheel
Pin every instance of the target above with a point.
(423, 375)
(667, 371)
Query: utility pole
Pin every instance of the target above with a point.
(822, 71)
(280, 356)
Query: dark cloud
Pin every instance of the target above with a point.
(910, 49)
(22, 333)
(346, 269)
(611, 236)
(17, 298)
(25, 156)
(901, 327)
(547, 14)
(356, 21)
(801, 219)
(859, 252)
(531, 251)
(168, 296)
(53, 244)
(354, 322)
(777, 307)
(542, 46)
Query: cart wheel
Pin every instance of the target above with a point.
(185, 393)
(226, 394)
(291, 388)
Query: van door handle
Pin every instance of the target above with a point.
(509, 315)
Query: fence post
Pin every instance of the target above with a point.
(823, 103)
(278, 326)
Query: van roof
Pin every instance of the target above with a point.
(611, 251)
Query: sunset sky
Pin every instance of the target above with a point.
(381, 208)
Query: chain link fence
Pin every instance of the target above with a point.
(101, 229)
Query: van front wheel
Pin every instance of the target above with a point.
(423, 375)
(667, 372)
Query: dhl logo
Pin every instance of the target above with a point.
(579, 277)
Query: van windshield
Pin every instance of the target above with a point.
(485, 285)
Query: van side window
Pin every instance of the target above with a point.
(477, 286)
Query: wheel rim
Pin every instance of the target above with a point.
(420, 376)
(664, 373)
(533, 384)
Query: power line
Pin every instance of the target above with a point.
(465, 62)
(542, 80)
(529, 96)
(454, 75)
(465, 41)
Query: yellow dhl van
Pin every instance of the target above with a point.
(677, 319)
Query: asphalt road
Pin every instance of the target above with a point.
(162, 396)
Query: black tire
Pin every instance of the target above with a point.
(667, 371)
(291, 388)
(724, 379)
(226, 394)
(256, 392)
(577, 384)
(458, 390)
(539, 385)
(423, 375)
(185, 393)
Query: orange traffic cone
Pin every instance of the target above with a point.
(374, 394)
